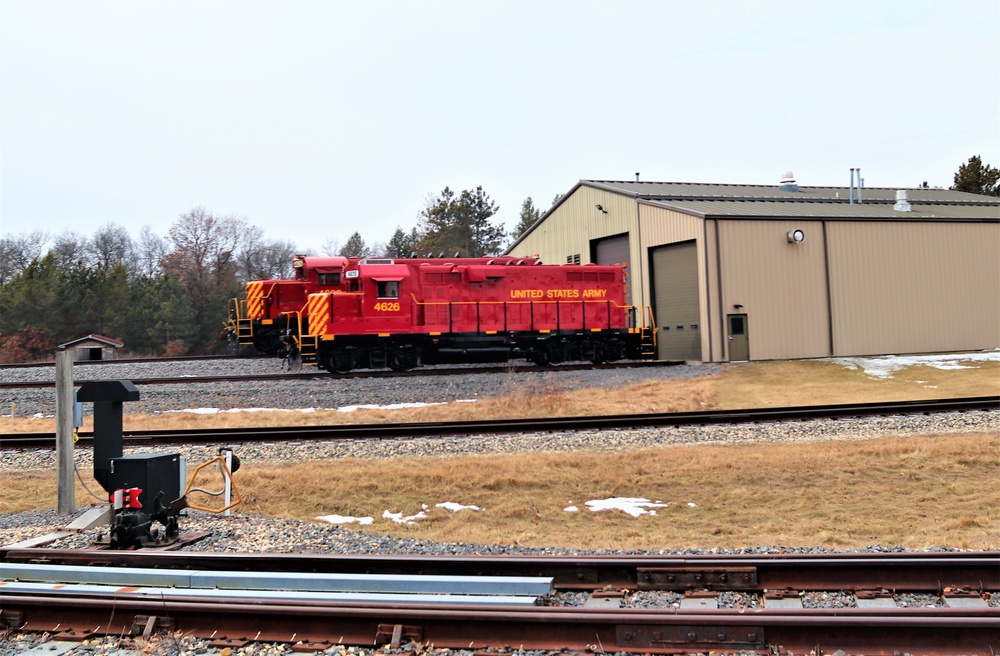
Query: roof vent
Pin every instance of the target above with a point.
(788, 182)
(902, 205)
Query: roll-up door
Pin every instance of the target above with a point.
(675, 301)
(613, 250)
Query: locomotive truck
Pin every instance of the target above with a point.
(345, 313)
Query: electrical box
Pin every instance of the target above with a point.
(152, 473)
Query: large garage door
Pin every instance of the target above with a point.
(675, 301)
(614, 250)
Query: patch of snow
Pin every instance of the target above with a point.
(886, 366)
(454, 507)
(633, 506)
(400, 519)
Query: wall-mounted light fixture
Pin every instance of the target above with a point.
(737, 306)
(796, 236)
(601, 209)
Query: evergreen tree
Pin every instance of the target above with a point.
(402, 244)
(529, 215)
(460, 225)
(355, 247)
(975, 177)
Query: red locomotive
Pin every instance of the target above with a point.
(343, 313)
(262, 319)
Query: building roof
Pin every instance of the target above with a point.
(877, 211)
(94, 340)
(774, 201)
(684, 191)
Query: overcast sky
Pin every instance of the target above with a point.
(314, 119)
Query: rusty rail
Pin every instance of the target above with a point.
(238, 622)
(934, 571)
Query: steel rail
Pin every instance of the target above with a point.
(906, 571)
(364, 373)
(527, 425)
(239, 621)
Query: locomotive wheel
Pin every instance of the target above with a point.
(406, 358)
(555, 352)
(341, 361)
(599, 355)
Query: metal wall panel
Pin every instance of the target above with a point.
(577, 222)
(914, 287)
(780, 286)
(674, 273)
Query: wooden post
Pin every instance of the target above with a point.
(65, 490)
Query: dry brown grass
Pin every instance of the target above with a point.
(765, 384)
(913, 492)
(836, 494)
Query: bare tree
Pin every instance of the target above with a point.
(203, 260)
(250, 255)
(71, 249)
(18, 251)
(331, 246)
(111, 246)
(150, 250)
(278, 257)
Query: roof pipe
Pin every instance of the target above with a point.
(851, 194)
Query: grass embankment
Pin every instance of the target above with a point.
(915, 492)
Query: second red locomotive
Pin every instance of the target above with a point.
(401, 313)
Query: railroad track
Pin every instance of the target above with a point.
(361, 373)
(538, 424)
(60, 591)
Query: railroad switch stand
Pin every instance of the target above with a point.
(143, 489)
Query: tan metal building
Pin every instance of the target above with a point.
(759, 272)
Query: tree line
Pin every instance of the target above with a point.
(168, 295)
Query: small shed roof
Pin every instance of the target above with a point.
(92, 340)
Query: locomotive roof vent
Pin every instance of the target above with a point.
(377, 260)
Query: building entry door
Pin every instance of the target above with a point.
(739, 338)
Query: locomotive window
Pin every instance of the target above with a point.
(354, 285)
(329, 279)
(388, 288)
